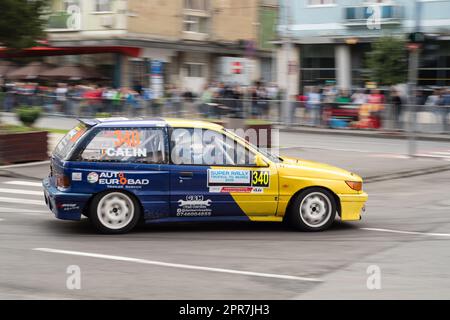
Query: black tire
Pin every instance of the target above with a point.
(300, 221)
(129, 222)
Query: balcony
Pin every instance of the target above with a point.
(69, 20)
(387, 14)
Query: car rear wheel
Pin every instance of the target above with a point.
(114, 212)
(313, 210)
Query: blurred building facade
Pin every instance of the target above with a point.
(181, 42)
(330, 38)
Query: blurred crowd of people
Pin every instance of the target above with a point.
(368, 108)
(215, 100)
(318, 105)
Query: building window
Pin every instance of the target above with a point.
(195, 24)
(321, 2)
(194, 70)
(202, 5)
(68, 3)
(102, 5)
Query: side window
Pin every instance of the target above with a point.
(208, 147)
(126, 145)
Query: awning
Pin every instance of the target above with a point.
(63, 51)
(6, 67)
(72, 72)
(31, 71)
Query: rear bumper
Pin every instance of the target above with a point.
(64, 205)
(352, 205)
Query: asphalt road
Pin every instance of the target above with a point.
(233, 260)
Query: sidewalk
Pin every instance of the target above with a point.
(367, 133)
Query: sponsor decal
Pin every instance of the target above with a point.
(194, 206)
(120, 179)
(125, 152)
(239, 178)
(92, 177)
(69, 206)
(228, 177)
(77, 176)
(236, 190)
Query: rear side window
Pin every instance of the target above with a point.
(67, 143)
(146, 145)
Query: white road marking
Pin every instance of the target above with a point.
(324, 148)
(5, 209)
(176, 265)
(408, 232)
(21, 191)
(24, 183)
(442, 153)
(25, 212)
(22, 201)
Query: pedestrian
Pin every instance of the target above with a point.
(445, 109)
(61, 97)
(359, 97)
(396, 105)
(314, 106)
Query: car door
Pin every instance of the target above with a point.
(126, 159)
(208, 180)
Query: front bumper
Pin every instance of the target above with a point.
(64, 205)
(352, 205)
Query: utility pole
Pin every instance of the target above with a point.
(413, 72)
(287, 48)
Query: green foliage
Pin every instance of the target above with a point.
(28, 115)
(268, 18)
(387, 62)
(21, 22)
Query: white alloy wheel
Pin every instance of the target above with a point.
(115, 210)
(315, 210)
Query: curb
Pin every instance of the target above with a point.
(25, 165)
(10, 172)
(368, 134)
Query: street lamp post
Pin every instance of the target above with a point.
(414, 57)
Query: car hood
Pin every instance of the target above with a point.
(316, 169)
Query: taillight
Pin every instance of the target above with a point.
(62, 181)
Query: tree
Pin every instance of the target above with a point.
(21, 22)
(387, 62)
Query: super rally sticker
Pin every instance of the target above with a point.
(241, 181)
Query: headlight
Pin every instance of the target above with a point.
(354, 185)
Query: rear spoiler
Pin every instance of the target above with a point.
(89, 122)
(93, 122)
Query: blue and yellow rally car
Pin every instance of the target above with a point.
(118, 172)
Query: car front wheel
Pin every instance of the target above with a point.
(313, 210)
(114, 212)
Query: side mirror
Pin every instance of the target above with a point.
(259, 161)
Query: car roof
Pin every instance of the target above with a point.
(152, 122)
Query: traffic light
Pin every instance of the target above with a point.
(416, 37)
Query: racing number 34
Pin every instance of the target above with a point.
(260, 179)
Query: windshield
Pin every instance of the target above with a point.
(272, 157)
(67, 143)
